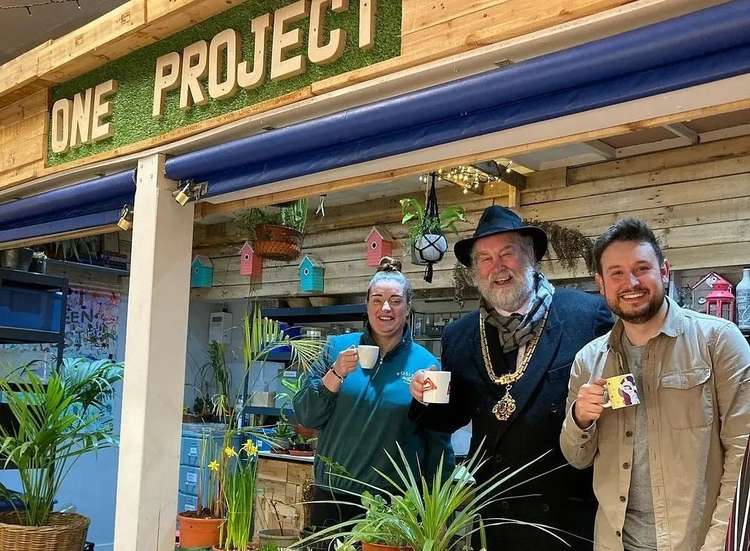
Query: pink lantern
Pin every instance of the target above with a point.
(720, 301)
(251, 264)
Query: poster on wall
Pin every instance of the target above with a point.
(91, 321)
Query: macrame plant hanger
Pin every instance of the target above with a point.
(431, 245)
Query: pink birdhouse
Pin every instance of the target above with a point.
(251, 264)
(379, 244)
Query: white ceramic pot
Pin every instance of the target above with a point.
(431, 247)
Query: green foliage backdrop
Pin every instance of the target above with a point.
(131, 104)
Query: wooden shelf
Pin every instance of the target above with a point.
(338, 312)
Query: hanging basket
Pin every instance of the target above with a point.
(277, 242)
(431, 247)
(65, 532)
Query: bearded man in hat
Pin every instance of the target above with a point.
(510, 363)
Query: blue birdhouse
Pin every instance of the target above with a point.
(202, 272)
(311, 275)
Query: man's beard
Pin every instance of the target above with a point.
(642, 315)
(508, 298)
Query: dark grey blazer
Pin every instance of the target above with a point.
(565, 498)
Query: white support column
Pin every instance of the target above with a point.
(155, 353)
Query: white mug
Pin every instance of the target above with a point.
(437, 387)
(368, 355)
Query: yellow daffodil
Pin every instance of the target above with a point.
(250, 448)
(229, 452)
(214, 465)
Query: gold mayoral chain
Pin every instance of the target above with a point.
(507, 405)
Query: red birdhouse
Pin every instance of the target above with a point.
(379, 244)
(251, 264)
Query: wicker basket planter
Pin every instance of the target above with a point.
(277, 242)
(65, 532)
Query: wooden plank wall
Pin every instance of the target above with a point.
(696, 198)
(431, 29)
(23, 137)
(282, 484)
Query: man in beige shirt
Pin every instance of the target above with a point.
(665, 470)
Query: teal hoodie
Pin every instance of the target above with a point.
(369, 415)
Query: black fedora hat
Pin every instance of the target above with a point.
(495, 220)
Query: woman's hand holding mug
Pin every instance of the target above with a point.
(346, 362)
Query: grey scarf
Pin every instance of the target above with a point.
(516, 330)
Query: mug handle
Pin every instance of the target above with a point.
(608, 403)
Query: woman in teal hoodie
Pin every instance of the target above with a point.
(362, 414)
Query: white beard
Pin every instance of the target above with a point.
(508, 299)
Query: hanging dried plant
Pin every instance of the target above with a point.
(569, 244)
(463, 284)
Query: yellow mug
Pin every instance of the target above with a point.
(620, 391)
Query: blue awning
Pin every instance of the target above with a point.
(700, 47)
(58, 226)
(704, 46)
(98, 194)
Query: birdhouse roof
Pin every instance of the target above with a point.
(247, 247)
(382, 232)
(705, 280)
(312, 260)
(202, 260)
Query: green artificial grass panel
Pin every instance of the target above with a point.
(132, 103)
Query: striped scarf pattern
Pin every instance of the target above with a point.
(516, 330)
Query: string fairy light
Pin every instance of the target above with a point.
(38, 4)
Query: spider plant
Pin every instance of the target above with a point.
(58, 421)
(433, 515)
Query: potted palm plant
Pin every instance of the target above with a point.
(276, 234)
(54, 423)
(233, 467)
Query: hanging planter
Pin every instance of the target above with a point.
(426, 228)
(276, 233)
(277, 242)
(430, 245)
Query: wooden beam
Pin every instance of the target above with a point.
(514, 197)
(684, 131)
(603, 149)
(43, 240)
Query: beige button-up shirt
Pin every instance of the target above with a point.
(696, 389)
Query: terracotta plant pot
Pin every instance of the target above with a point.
(199, 532)
(380, 547)
(277, 242)
(306, 432)
(273, 536)
(302, 453)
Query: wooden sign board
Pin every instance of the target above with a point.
(201, 72)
